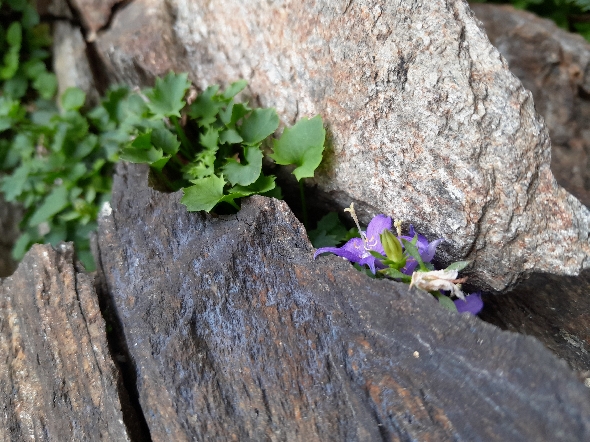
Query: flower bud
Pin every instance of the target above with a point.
(393, 248)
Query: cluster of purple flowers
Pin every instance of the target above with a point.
(358, 250)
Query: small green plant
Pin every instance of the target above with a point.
(213, 148)
(403, 258)
(51, 162)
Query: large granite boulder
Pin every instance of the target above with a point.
(236, 333)
(555, 66)
(426, 121)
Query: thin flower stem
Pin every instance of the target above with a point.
(303, 204)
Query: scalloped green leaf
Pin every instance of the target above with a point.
(166, 99)
(204, 194)
(258, 125)
(244, 173)
(301, 145)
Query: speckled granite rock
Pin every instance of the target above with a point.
(237, 333)
(426, 122)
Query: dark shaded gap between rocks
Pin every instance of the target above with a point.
(133, 416)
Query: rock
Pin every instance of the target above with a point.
(237, 333)
(95, 14)
(71, 63)
(426, 122)
(555, 309)
(10, 216)
(555, 66)
(57, 379)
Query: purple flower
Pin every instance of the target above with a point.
(425, 249)
(472, 304)
(358, 249)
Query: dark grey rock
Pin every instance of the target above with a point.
(57, 379)
(237, 333)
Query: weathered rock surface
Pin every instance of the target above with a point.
(95, 14)
(555, 309)
(57, 379)
(427, 123)
(555, 66)
(70, 62)
(237, 333)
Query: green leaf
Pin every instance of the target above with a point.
(201, 167)
(11, 59)
(230, 136)
(459, 265)
(244, 174)
(301, 145)
(263, 184)
(146, 156)
(210, 139)
(234, 89)
(447, 303)
(16, 87)
(13, 185)
(204, 194)
(258, 125)
(412, 250)
(166, 99)
(166, 141)
(30, 17)
(73, 98)
(113, 102)
(14, 34)
(205, 108)
(377, 255)
(329, 231)
(54, 203)
(46, 85)
(21, 246)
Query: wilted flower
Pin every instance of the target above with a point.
(471, 304)
(438, 280)
(359, 249)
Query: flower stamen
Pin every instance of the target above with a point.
(356, 221)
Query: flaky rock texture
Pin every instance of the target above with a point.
(427, 123)
(555, 66)
(237, 333)
(57, 379)
(553, 308)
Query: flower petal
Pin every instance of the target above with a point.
(375, 228)
(429, 252)
(472, 304)
(426, 249)
(353, 250)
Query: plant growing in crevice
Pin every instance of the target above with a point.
(212, 148)
(403, 258)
